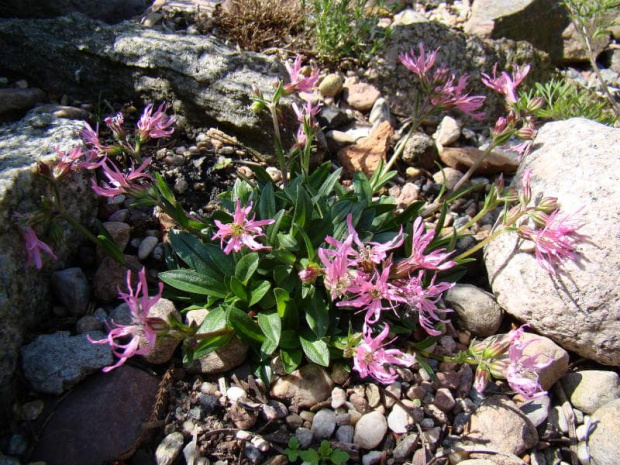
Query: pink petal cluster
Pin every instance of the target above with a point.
(122, 183)
(522, 371)
(34, 247)
(445, 90)
(305, 116)
(241, 232)
(424, 300)
(140, 305)
(436, 260)
(556, 241)
(506, 84)
(299, 82)
(115, 124)
(155, 125)
(372, 359)
(76, 159)
(361, 274)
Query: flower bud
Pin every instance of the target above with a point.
(481, 378)
(535, 104)
(510, 195)
(548, 204)
(44, 170)
(309, 274)
(158, 325)
(498, 368)
(526, 133)
(256, 91)
(257, 106)
(525, 232)
(540, 218)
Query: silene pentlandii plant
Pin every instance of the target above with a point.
(311, 270)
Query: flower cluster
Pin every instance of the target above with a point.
(362, 275)
(143, 330)
(445, 91)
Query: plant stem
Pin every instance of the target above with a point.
(474, 167)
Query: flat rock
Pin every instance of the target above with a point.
(304, 387)
(55, 362)
(152, 63)
(477, 311)
(420, 152)
(499, 424)
(370, 430)
(366, 154)
(164, 348)
(589, 390)
(603, 442)
(462, 158)
(551, 352)
(99, 419)
(169, 448)
(579, 307)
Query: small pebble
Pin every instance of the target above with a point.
(339, 397)
(305, 436)
(324, 424)
(345, 433)
(169, 449)
(372, 457)
(147, 245)
(236, 393)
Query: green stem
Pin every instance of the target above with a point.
(219, 332)
(278, 138)
(470, 172)
(444, 358)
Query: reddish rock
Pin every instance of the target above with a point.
(112, 276)
(367, 153)
(462, 158)
(361, 96)
(99, 420)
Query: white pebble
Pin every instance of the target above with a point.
(146, 247)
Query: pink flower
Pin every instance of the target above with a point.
(450, 96)
(424, 300)
(155, 125)
(34, 247)
(76, 159)
(556, 241)
(436, 260)
(522, 371)
(122, 183)
(506, 84)
(140, 306)
(372, 359)
(115, 123)
(309, 274)
(241, 231)
(419, 64)
(90, 137)
(370, 293)
(337, 276)
(299, 82)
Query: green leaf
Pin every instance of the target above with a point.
(193, 282)
(285, 256)
(239, 289)
(267, 203)
(292, 455)
(111, 249)
(307, 241)
(258, 292)
(339, 457)
(316, 351)
(325, 449)
(214, 321)
(287, 241)
(193, 252)
(328, 185)
(293, 442)
(206, 346)
(317, 314)
(289, 339)
(310, 455)
(424, 364)
(362, 187)
(246, 267)
(244, 326)
(267, 348)
(271, 325)
(303, 208)
(282, 298)
(291, 358)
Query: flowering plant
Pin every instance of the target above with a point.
(315, 269)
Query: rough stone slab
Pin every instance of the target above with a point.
(579, 308)
(211, 83)
(56, 362)
(459, 52)
(24, 294)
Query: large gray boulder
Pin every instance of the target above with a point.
(24, 293)
(543, 23)
(579, 308)
(460, 53)
(209, 83)
(110, 11)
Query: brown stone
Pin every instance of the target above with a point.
(361, 96)
(112, 276)
(367, 153)
(99, 420)
(16, 102)
(462, 158)
(304, 387)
